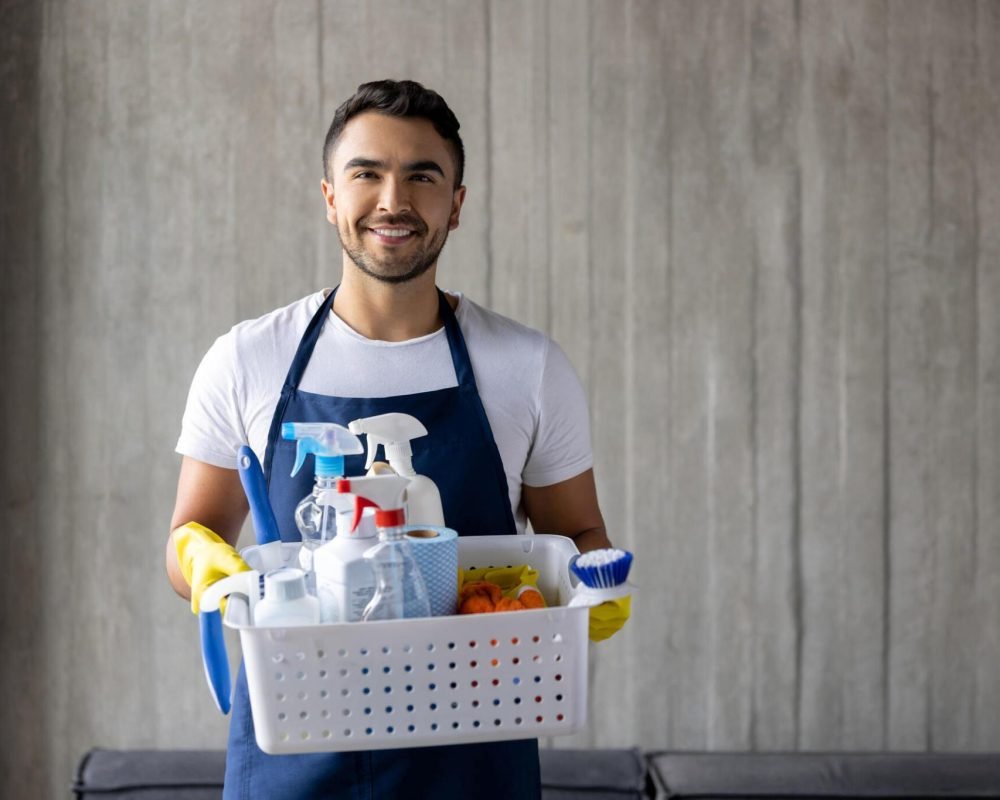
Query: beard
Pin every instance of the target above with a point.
(393, 268)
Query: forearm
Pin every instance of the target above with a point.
(591, 539)
(174, 574)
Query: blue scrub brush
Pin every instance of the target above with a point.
(603, 574)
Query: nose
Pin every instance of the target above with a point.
(393, 197)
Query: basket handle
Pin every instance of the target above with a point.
(213, 644)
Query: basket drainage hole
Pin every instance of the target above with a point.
(557, 638)
(281, 697)
(326, 734)
(518, 720)
(454, 726)
(390, 729)
(496, 722)
(347, 732)
(277, 658)
(368, 731)
(324, 693)
(322, 673)
(411, 728)
(303, 715)
(475, 723)
(282, 716)
(346, 712)
(320, 654)
(304, 735)
(539, 719)
(559, 717)
(342, 652)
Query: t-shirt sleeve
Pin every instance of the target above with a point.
(212, 427)
(561, 449)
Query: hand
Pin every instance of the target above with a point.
(608, 618)
(204, 558)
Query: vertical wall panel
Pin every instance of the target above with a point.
(519, 225)
(987, 195)
(24, 759)
(606, 202)
(660, 687)
(776, 192)
(842, 375)
(933, 216)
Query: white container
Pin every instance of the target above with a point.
(345, 581)
(423, 682)
(285, 600)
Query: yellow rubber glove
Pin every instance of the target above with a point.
(609, 617)
(204, 558)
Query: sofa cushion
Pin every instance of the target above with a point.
(592, 774)
(151, 775)
(813, 775)
(197, 775)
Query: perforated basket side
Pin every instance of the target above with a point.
(416, 683)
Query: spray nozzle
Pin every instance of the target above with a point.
(384, 493)
(392, 431)
(328, 441)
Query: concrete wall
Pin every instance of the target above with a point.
(765, 232)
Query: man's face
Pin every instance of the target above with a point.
(393, 196)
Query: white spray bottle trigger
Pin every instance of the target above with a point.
(384, 493)
(394, 432)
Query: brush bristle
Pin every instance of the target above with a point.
(603, 569)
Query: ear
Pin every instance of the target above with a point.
(456, 207)
(331, 202)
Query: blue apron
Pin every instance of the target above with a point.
(460, 455)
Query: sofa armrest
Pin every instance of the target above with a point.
(793, 776)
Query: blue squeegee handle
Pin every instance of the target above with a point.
(252, 478)
(213, 656)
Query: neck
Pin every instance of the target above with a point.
(388, 312)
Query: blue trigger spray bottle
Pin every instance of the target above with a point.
(316, 514)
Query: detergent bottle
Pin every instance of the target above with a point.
(394, 432)
(400, 591)
(316, 514)
(285, 600)
(345, 581)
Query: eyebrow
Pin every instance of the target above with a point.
(413, 166)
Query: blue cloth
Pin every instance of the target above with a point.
(460, 455)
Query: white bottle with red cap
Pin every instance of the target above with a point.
(400, 591)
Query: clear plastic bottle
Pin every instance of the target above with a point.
(400, 590)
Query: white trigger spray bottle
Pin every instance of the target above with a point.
(394, 432)
(317, 512)
(400, 591)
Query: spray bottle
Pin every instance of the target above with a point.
(400, 591)
(394, 432)
(316, 514)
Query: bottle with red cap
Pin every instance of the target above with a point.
(400, 591)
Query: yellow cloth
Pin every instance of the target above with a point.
(609, 617)
(204, 558)
(510, 579)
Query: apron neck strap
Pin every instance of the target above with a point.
(456, 342)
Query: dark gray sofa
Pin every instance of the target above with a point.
(609, 775)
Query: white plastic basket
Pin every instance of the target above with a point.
(422, 682)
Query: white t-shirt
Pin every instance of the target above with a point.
(533, 399)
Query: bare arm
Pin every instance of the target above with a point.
(569, 508)
(211, 496)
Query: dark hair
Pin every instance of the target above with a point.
(398, 99)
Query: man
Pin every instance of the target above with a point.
(507, 419)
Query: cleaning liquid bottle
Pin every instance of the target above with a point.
(286, 601)
(400, 591)
(394, 432)
(316, 513)
(345, 581)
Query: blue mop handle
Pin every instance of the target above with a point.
(252, 478)
(213, 658)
